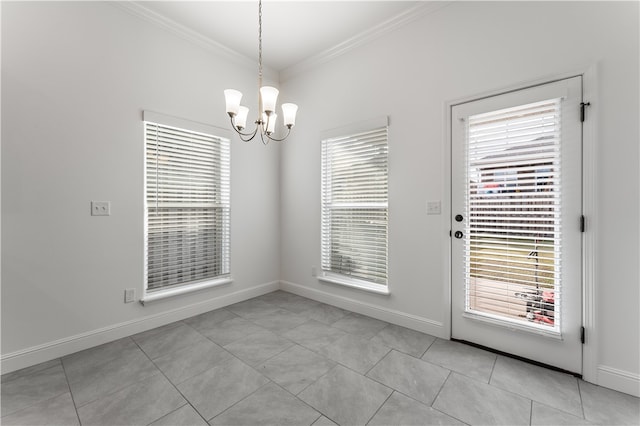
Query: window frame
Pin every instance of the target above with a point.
(326, 273)
(218, 135)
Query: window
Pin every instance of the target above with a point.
(514, 210)
(355, 206)
(187, 206)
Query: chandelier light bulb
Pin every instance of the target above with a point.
(289, 114)
(269, 122)
(241, 118)
(232, 97)
(269, 97)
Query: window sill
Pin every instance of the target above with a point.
(528, 327)
(354, 283)
(183, 289)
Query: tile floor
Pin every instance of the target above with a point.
(281, 359)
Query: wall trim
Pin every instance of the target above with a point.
(68, 345)
(414, 322)
(622, 381)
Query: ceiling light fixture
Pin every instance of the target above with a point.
(267, 96)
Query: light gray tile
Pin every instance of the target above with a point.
(32, 389)
(140, 403)
(298, 304)
(540, 384)
(354, 352)
(346, 397)
(185, 363)
(324, 313)
(275, 297)
(270, 405)
(55, 411)
(209, 319)
(402, 410)
(360, 325)
(183, 416)
(258, 347)
(606, 406)
(411, 376)
(542, 415)
(30, 370)
(253, 308)
(323, 421)
(231, 330)
(475, 402)
(280, 321)
(161, 329)
(169, 340)
(89, 385)
(296, 368)
(314, 335)
(84, 362)
(220, 387)
(464, 359)
(404, 339)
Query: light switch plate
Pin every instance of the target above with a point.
(100, 208)
(433, 207)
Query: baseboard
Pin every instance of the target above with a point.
(68, 345)
(414, 322)
(622, 381)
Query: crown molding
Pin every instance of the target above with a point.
(404, 18)
(136, 9)
(424, 8)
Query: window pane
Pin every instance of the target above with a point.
(187, 206)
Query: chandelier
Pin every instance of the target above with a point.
(267, 97)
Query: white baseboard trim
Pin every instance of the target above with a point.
(414, 322)
(36, 354)
(622, 381)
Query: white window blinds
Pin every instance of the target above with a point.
(513, 208)
(355, 205)
(187, 206)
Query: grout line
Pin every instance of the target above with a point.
(581, 401)
(531, 412)
(381, 405)
(187, 402)
(380, 360)
(242, 399)
(440, 390)
(493, 367)
(428, 347)
(73, 401)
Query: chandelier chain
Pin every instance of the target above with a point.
(260, 41)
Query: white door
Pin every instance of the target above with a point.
(516, 223)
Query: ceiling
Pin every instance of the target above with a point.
(292, 31)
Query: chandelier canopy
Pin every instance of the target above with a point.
(267, 97)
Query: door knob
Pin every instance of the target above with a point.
(458, 234)
(459, 218)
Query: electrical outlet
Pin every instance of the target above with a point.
(129, 295)
(100, 208)
(314, 271)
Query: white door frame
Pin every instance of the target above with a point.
(589, 184)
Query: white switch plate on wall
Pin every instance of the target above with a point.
(433, 207)
(100, 208)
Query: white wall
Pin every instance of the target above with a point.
(75, 79)
(462, 50)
